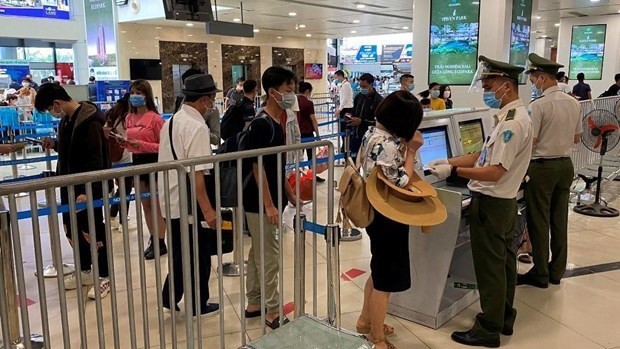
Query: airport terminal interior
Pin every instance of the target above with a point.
(96, 50)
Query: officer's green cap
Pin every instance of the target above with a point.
(497, 68)
(543, 65)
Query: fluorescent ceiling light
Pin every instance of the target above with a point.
(361, 6)
(353, 31)
(557, 24)
(405, 28)
(236, 20)
(302, 26)
(308, 35)
(292, 14)
(189, 24)
(279, 37)
(357, 20)
(257, 30)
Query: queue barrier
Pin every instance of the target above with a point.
(127, 319)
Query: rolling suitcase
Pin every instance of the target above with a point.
(309, 333)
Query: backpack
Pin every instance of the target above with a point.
(229, 126)
(228, 169)
(354, 206)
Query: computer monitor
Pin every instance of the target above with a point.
(471, 133)
(436, 144)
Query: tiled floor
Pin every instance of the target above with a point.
(582, 313)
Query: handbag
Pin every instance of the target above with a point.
(115, 150)
(354, 205)
(227, 216)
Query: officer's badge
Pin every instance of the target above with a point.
(507, 135)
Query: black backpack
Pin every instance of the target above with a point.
(228, 169)
(231, 125)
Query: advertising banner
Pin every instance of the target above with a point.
(453, 41)
(313, 71)
(55, 9)
(101, 39)
(367, 54)
(521, 29)
(587, 50)
(391, 53)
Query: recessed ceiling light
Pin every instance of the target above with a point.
(308, 35)
(123, 31)
(157, 27)
(557, 24)
(129, 41)
(190, 35)
(356, 21)
(211, 42)
(236, 20)
(538, 17)
(257, 30)
(292, 14)
(405, 28)
(279, 37)
(189, 24)
(353, 31)
(544, 36)
(361, 6)
(302, 26)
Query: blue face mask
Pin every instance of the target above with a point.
(137, 100)
(364, 91)
(435, 93)
(536, 92)
(491, 101)
(411, 87)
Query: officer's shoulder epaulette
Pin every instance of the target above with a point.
(511, 115)
(535, 99)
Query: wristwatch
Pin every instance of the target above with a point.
(453, 172)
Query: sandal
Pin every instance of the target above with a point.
(365, 329)
(275, 324)
(388, 345)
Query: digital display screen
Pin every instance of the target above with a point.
(436, 144)
(521, 29)
(313, 71)
(454, 32)
(587, 50)
(54, 9)
(472, 136)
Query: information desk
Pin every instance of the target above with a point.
(443, 282)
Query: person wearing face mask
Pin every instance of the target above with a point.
(437, 103)
(186, 136)
(143, 129)
(495, 175)
(407, 83)
(556, 124)
(267, 130)
(27, 95)
(445, 92)
(82, 147)
(363, 113)
(345, 94)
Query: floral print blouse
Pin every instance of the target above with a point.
(380, 148)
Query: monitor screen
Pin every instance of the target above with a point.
(472, 136)
(147, 69)
(436, 144)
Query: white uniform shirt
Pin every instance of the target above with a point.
(564, 87)
(190, 136)
(346, 95)
(556, 119)
(509, 145)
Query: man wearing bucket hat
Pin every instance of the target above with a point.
(495, 175)
(556, 126)
(184, 136)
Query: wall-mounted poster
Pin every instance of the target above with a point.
(367, 54)
(391, 53)
(55, 9)
(587, 50)
(453, 41)
(101, 39)
(521, 29)
(313, 71)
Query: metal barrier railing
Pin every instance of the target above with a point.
(125, 318)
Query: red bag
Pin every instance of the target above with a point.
(305, 184)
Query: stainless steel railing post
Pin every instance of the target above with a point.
(9, 305)
(231, 269)
(332, 237)
(300, 267)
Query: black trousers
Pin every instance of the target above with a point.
(310, 151)
(84, 245)
(204, 262)
(115, 209)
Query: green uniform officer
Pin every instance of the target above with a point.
(556, 125)
(495, 174)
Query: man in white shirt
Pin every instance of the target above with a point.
(562, 83)
(345, 95)
(186, 136)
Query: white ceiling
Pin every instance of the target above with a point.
(335, 19)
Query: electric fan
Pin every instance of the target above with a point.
(600, 134)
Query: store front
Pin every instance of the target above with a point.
(37, 58)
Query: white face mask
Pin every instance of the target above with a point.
(446, 94)
(57, 114)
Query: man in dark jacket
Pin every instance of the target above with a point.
(363, 114)
(81, 147)
(239, 114)
(613, 90)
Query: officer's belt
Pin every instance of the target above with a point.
(543, 160)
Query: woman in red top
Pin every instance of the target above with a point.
(143, 126)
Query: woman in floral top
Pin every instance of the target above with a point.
(391, 146)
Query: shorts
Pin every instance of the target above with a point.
(142, 159)
(389, 246)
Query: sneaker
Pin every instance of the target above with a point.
(209, 310)
(104, 289)
(71, 280)
(114, 224)
(149, 253)
(168, 310)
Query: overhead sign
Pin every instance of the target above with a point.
(521, 29)
(587, 51)
(53, 9)
(367, 54)
(391, 53)
(101, 39)
(454, 41)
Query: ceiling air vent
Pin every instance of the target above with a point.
(577, 14)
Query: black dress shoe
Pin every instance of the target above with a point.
(468, 338)
(527, 279)
(506, 331)
(554, 281)
(319, 179)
